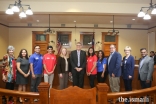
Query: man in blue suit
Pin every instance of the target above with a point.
(114, 69)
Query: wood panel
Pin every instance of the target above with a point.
(73, 95)
(43, 47)
(106, 49)
(2, 84)
(106, 45)
(43, 44)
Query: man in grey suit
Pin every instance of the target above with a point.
(146, 67)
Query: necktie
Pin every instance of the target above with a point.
(109, 58)
(78, 56)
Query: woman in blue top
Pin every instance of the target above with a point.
(101, 66)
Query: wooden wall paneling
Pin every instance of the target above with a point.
(73, 95)
(105, 45)
(43, 44)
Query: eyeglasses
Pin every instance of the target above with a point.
(50, 49)
(143, 52)
(112, 48)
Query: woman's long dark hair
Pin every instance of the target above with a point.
(103, 55)
(20, 54)
(92, 53)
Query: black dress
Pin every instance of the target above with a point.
(24, 66)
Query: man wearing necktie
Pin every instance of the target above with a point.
(78, 63)
(146, 67)
(114, 69)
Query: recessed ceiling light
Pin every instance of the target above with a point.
(111, 21)
(133, 19)
(74, 21)
(38, 20)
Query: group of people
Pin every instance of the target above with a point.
(77, 64)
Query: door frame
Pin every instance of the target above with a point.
(33, 39)
(103, 41)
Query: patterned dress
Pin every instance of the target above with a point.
(9, 69)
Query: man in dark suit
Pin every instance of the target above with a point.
(78, 63)
(146, 67)
(152, 54)
(114, 69)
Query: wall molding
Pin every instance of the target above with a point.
(76, 27)
(4, 25)
(151, 27)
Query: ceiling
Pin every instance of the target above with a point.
(81, 18)
(105, 1)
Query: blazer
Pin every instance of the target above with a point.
(154, 59)
(74, 59)
(114, 65)
(61, 65)
(128, 67)
(146, 70)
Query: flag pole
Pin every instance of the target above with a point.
(59, 45)
(93, 40)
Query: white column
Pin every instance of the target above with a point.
(151, 42)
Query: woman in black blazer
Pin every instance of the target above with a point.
(63, 66)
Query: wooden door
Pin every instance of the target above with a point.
(38, 38)
(107, 40)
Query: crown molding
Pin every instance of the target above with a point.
(76, 27)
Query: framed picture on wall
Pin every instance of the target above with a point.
(86, 39)
(64, 37)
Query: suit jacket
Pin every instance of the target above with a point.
(74, 59)
(114, 65)
(154, 59)
(128, 67)
(146, 69)
(61, 64)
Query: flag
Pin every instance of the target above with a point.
(93, 41)
(59, 45)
